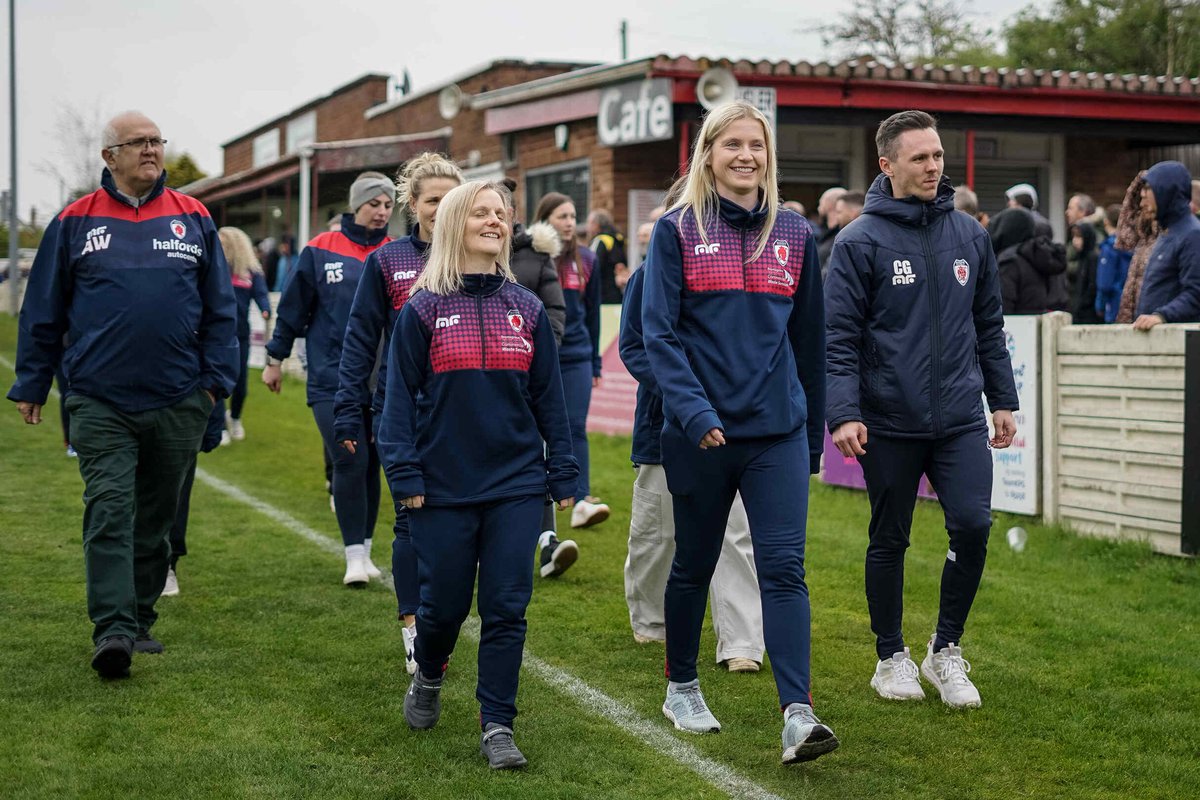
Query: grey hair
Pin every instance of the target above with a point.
(1086, 204)
(109, 135)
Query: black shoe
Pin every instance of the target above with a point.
(497, 744)
(557, 557)
(112, 657)
(145, 643)
(423, 702)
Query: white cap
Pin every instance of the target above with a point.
(1020, 189)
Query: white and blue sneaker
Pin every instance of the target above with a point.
(409, 634)
(804, 736)
(685, 707)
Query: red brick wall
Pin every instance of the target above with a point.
(1102, 168)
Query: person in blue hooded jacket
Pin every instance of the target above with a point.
(734, 332)
(474, 390)
(316, 304)
(1171, 286)
(915, 330)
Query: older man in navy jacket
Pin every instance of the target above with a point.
(134, 276)
(915, 333)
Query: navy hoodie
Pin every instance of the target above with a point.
(316, 302)
(581, 294)
(648, 415)
(737, 344)
(475, 389)
(387, 278)
(915, 323)
(1171, 287)
(144, 298)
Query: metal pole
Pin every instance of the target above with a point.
(302, 229)
(624, 40)
(14, 269)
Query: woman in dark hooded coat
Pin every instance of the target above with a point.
(1033, 269)
(1083, 291)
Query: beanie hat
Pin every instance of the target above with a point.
(368, 186)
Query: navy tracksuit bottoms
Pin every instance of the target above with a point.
(772, 475)
(404, 558)
(451, 541)
(356, 487)
(960, 469)
(577, 391)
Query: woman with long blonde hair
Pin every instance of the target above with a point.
(383, 289)
(734, 330)
(474, 390)
(248, 283)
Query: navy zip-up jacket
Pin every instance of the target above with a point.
(737, 344)
(475, 389)
(387, 278)
(1171, 287)
(915, 323)
(143, 296)
(316, 302)
(247, 289)
(581, 294)
(648, 414)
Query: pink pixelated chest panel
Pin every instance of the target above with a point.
(721, 265)
(400, 266)
(468, 332)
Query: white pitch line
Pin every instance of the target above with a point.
(654, 735)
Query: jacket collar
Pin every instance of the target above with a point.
(741, 218)
(483, 285)
(359, 234)
(910, 211)
(109, 184)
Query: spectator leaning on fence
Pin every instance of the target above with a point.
(1171, 287)
(1136, 233)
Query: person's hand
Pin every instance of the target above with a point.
(1005, 429)
(30, 412)
(565, 503)
(596, 382)
(850, 438)
(413, 502)
(1147, 321)
(621, 276)
(273, 377)
(266, 315)
(350, 445)
(714, 438)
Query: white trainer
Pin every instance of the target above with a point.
(897, 678)
(588, 512)
(409, 634)
(372, 570)
(225, 438)
(236, 431)
(356, 570)
(171, 587)
(947, 670)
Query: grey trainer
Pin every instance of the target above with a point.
(685, 707)
(423, 702)
(497, 744)
(804, 736)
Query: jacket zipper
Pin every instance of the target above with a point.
(935, 337)
(482, 337)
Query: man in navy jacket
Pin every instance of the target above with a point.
(915, 333)
(133, 274)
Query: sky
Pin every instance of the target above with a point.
(209, 71)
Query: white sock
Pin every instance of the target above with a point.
(367, 548)
(544, 539)
(354, 551)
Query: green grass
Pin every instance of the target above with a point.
(278, 682)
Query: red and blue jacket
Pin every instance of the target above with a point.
(143, 297)
(252, 287)
(475, 389)
(581, 294)
(648, 414)
(387, 278)
(736, 342)
(316, 302)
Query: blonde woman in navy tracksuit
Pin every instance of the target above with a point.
(474, 389)
(734, 330)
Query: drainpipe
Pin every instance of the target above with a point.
(302, 231)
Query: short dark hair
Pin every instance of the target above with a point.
(1113, 214)
(856, 199)
(1023, 200)
(892, 127)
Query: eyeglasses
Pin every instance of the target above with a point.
(153, 142)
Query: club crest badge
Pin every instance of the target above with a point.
(178, 228)
(962, 271)
(515, 319)
(780, 246)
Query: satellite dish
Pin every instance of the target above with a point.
(716, 87)
(450, 101)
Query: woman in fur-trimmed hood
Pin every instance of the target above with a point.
(533, 252)
(1137, 231)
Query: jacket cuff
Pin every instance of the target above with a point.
(701, 424)
(814, 463)
(407, 487)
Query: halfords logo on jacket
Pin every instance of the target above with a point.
(177, 248)
(902, 273)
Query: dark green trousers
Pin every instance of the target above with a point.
(133, 466)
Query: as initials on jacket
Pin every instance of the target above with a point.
(724, 264)
(474, 332)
